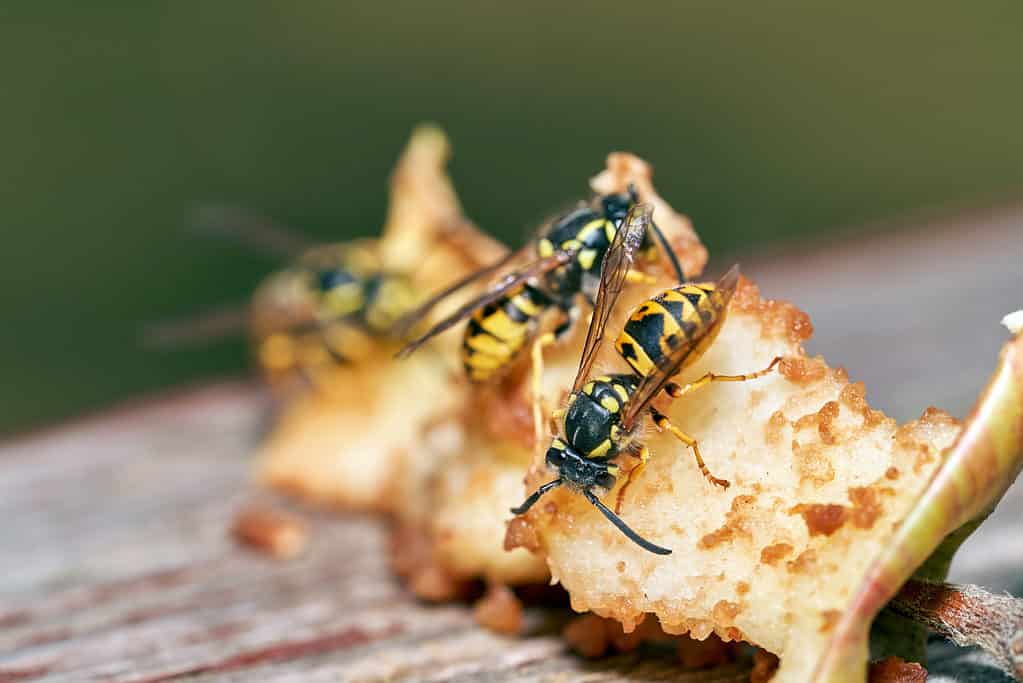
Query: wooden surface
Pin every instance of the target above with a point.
(115, 563)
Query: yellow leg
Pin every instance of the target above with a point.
(643, 455)
(634, 277)
(676, 391)
(537, 385)
(663, 422)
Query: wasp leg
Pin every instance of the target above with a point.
(556, 417)
(676, 391)
(643, 455)
(663, 422)
(544, 340)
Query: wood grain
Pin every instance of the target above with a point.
(117, 563)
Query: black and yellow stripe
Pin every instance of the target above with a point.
(497, 332)
(591, 419)
(688, 315)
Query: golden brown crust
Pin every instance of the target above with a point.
(272, 531)
(896, 670)
(499, 611)
(360, 438)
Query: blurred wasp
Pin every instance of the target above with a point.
(331, 307)
(327, 307)
(602, 416)
(569, 253)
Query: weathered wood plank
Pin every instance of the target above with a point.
(116, 562)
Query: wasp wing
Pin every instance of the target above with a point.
(405, 324)
(408, 321)
(672, 361)
(499, 289)
(617, 261)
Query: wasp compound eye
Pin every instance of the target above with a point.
(555, 457)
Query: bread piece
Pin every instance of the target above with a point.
(349, 442)
(818, 481)
(462, 504)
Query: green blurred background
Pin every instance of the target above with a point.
(766, 121)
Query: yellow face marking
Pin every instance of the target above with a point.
(569, 245)
(587, 258)
(545, 248)
(588, 388)
(571, 398)
(622, 392)
(600, 450)
(610, 404)
(615, 432)
(558, 444)
(613, 470)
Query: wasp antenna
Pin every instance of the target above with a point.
(624, 528)
(408, 349)
(531, 501)
(672, 256)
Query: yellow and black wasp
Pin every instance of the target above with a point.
(662, 336)
(567, 258)
(329, 306)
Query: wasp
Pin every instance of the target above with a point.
(329, 306)
(567, 258)
(603, 415)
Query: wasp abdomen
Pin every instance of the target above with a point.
(687, 315)
(498, 331)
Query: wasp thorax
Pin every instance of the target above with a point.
(594, 413)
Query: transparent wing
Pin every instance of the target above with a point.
(617, 261)
(248, 228)
(405, 324)
(500, 288)
(672, 361)
(511, 262)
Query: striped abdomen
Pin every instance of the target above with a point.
(688, 316)
(497, 332)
